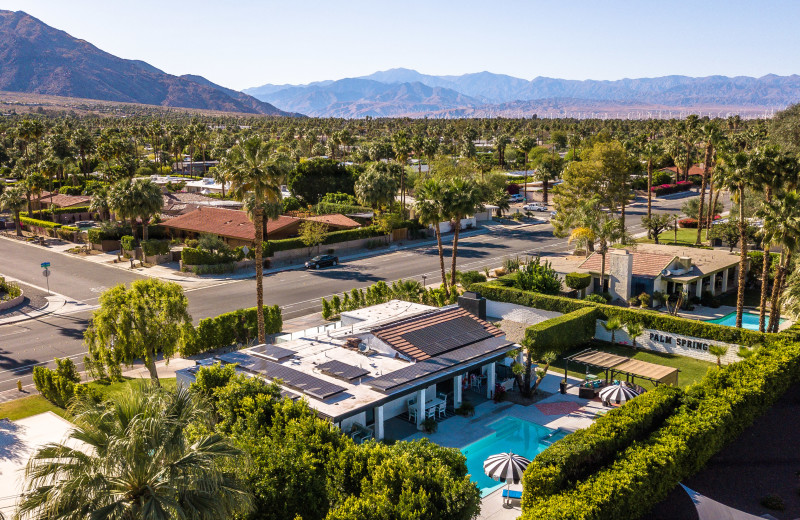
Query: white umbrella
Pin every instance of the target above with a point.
(506, 467)
(617, 393)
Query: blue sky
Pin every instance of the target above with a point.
(246, 43)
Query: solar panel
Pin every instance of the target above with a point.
(443, 337)
(342, 370)
(272, 352)
(306, 383)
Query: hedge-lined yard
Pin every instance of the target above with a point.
(239, 326)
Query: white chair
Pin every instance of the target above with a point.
(412, 410)
(442, 408)
(430, 413)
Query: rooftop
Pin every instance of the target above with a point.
(649, 260)
(225, 222)
(335, 220)
(65, 201)
(644, 263)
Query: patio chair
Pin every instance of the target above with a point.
(512, 494)
(430, 413)
(412, 414)
(442, 408)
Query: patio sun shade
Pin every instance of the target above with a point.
(507, 467)
(617, 393)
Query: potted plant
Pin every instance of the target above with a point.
(563, 386)
(467, 409)
(430, 425)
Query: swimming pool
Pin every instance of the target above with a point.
(749, 320)
(511, 435)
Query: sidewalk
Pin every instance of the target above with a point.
(57, 304)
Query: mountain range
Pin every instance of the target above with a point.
(406, 92)
(38, 59)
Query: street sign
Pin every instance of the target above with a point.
(45, 265)
(245, 250)
(46, 273)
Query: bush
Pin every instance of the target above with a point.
(192, 256)
(596, 298)
(666, 189)
(239, 326)
(688, 223)
(563, 333)
(11, 289)
(648, 318)
(34, 222)
(773, 501)
(128, 243)
(644, 299)
(210, 269)
(712, 412)
(578, 281)
(468, 278)
(538, 277)
(57, 386)
(155, 247)
(580, 454)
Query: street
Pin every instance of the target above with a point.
(37, 341)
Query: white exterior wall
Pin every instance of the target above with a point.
(671, 344)
(508, 310)
(359, 418)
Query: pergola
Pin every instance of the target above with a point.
(632, 368)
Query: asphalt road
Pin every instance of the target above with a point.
(38, 341)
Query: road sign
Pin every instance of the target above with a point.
(245, 250)
(46, 273)
(45, 265)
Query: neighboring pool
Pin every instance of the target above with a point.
(511, 435)
(749, 320)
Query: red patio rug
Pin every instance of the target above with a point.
(558, 408)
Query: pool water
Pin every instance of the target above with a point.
(511, 435)
(749, 320)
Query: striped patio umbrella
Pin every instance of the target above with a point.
(506, 467)
(617, 393)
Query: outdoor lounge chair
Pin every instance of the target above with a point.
(512, 494)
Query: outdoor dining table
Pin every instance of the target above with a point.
(432, 403)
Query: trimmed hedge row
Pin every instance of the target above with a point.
(155, 247)
(59, 211)
(647, 318)
(713, 412)
(334, 237)
(563, 333)
(580, 454)
(39, 223)
(193, 256)
(239, 326)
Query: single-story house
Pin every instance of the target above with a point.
(236, 228)
(668, 269)
(63, 201)
(397, 361)
(181, 202)
(695, 169)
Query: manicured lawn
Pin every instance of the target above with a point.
(686, 237)
(36, 404)
(691, 369)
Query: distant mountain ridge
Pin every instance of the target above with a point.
(485, 93)
(38, 59)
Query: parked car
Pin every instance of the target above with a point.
(322, 261)
(517, 197)
(534, 206)
(552, 215)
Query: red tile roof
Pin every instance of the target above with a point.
(695, 169)
(225, 222)
(335, 220)
(66, 201)
(429, 335)
(644, 264)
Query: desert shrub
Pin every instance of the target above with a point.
(57, 386)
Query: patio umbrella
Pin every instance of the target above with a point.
(617, 393)
(506, 467)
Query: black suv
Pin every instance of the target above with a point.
(322, 261)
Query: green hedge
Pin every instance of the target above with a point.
(713, 412)
(580, 454)
(128, 243)
(193, 256)
(57, 386)
(39, 223)
(239, 326)
(327, 208)
(155, 247)
(286, 244)
(563, 333)
(578, 281)
(11, 289)
(648, 318)
(97, 235)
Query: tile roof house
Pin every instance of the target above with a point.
(695, 169)
(64, 201)
(232, 225)
(335, 221)
(180, 203)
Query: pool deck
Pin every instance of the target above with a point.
(708, 313)
(457, 432)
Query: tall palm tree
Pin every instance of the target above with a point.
(711, 135)
(13, 199)
(149, 202)
(256, 171)
(781, 219)
(462, 197)
(650, 151)
(99, 202)
(122, 201)
(500, 143)
(430, 211)
(733, 174)
(139, 462)
(525, 145)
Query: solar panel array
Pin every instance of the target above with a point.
(272, 352)
(306, 383)
(446, 336)
(342, 370)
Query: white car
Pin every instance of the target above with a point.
(516, 198)
(534, 206)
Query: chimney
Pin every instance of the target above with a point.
(473, 303)
(620, 273)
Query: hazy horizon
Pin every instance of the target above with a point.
(252, 43)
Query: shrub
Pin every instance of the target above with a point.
(578, 281)
(57, 386)
(596, 298)
(666, 189)
(688, 223)
(209, 269)
(155, 247)
(192, 256)
(239, 326)
(327, 310)
(563, 333)
(644, 299)
(580, 454)
(538, 277)
(34, 222)
(773, 501)
(468, 278)
(128, 243)
(11, 289)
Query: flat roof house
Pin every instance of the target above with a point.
(381, 363)
(668, 269)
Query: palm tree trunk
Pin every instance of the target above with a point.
(710, 209)
(702, 196)
(527, 375)
(622, 215)
(764, 287)
(544, 190)
(17, 223)
(145, 229)
(777, 289)
(539, 380)
(742, 259)
(258, 212)
(456, 229)
(649, 193)
(133, 227)
(441, 257)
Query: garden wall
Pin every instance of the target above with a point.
(13, 302)
(291, 256)
(671, 343)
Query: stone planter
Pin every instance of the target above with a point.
(158, 259)
(12, 302)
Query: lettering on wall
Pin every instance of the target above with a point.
(679, 341)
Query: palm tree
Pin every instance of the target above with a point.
(149, 202)
(634, 330)
(550, 167)
(430, 211)
(781, 219)
(733, 174)
(651, 151)
(13, 199)
(718, 351)
(99, 203)
(122, 201)
(500, 143)
(461, 198)
(256, 171)
(139, 462)
(612, 326)
(711, 135)
(525, 145)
